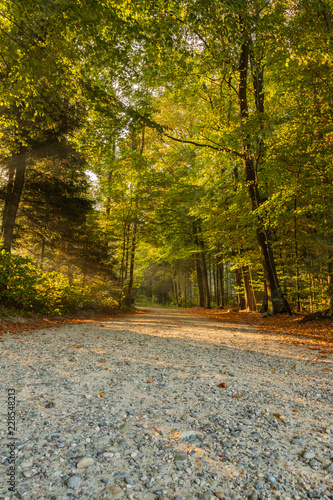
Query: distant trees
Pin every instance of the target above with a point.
(208, 129)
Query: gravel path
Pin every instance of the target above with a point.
(165, 405)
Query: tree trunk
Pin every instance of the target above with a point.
(240, 295)
(216, 284)
(247, 288)
(276, 301)
(130, 296)
(220, 276)
(15, 185)
(255, 300)
(110, 172)
(330, 277)
(199, 280)
(205, 283)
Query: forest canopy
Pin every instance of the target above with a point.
(166, 152)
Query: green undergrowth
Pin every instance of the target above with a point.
(25, 290)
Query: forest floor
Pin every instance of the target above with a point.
(165, 404)
(316, 333)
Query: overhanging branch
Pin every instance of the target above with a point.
(222, 149)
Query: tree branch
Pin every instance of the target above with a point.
(222, 149)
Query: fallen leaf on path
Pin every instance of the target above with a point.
(222, 384)
(101, 395)
(150, 381)
(120, 340)
(238, 397)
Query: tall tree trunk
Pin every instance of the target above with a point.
(199, 279)
(220, 272)
(185, 286)
(205, 283)
(247, 288)
(216, 284)
(240, 295)
(255, 300)
(276, 301)
(109, 179)
(130, 296)
(330, 277)
(15, 185)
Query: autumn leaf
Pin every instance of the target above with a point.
(238, 397)
(222, 384)
(150, 381)
(120, 340)
(101, 395)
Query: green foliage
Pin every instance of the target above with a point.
(25, 287)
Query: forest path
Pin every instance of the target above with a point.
(167, 404)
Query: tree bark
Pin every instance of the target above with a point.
(276, 301)
(247, 288)
(330, 277)
(204, 276)
(240, 295)
(199, 280)
(220, 276)
(15, 185)
(130, 295)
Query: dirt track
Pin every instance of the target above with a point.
(167, 404)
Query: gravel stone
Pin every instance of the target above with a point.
(74, 482)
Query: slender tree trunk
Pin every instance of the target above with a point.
(199, 279)
(15, 185)
(204, 277)
(216, 283)
(127, 252)
(109, 179)
(220, 271)
(330, 276)
(130, 296)
(185, 287)
(296, 258)
(122, 262)
(247, 288)
(276, 301)
(255, 300)
(240, 295)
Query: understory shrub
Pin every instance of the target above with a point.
(25, 287)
